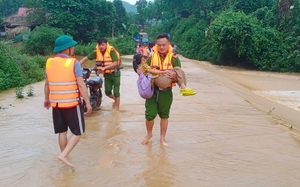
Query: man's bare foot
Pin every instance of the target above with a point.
(164, 143)
(65, 160)
(146, 139)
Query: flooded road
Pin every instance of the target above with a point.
(227, 135)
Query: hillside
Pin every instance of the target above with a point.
(129, 7)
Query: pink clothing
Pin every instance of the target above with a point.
(138, 50)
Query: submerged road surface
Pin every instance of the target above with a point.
(224, 136)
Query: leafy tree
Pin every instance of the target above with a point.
(84, 20)
(121, 15)
(241, 39)
(251, 6)
(132, 18)
(290, 27)
(155, 10)
(141, 7)
(41, 40)
(17, 69)
(9, 7)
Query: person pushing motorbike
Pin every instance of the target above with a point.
(108, 61)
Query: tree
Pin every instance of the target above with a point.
(155, 10)
(141, 7)
(9, 7)
(283, 9)
(121, 14)
(253, 5)
(84, 20)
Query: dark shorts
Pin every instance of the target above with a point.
(72, 118)
(161, 106)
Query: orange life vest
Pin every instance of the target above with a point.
(166, 64)
(106, 58)
(64, 92)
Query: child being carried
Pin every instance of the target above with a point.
(162, 81)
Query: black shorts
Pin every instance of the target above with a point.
(68, 117)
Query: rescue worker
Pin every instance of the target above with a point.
(144, 49)
(63, 89)
(161, 101)
(142, 55)
(108, 62)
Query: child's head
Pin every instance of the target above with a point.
(151, 44)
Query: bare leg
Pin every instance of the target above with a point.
(113, 97)
(182, 86)
(73, 140)
(117, 103)
(149, 127)
(163, 130)
(62, 140)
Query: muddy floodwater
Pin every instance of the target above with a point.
(240, 130)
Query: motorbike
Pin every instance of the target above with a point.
(94, 86)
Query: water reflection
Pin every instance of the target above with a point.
(160, 171)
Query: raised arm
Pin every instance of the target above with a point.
(83, 60)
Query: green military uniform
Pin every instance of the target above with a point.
(112, 81)
(161, 101)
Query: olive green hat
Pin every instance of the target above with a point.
(63, 42)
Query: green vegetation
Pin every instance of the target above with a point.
(256, 34)
(241, 39)
(30, 91)
(2, 107)
(19, 92)
(41, 40)
(124, 45)
(18, 69)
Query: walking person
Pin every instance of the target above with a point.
(63, 89)
(161, 101)
(108, 62)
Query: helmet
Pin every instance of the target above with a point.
(63, 42)
(145, 41)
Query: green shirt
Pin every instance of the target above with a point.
(113, 55)
(175, 61)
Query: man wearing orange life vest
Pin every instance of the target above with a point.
(63, 89)
(161, 101)
(108, 62)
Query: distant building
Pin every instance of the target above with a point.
(18, 19)
(15, 24)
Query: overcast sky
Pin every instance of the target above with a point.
(133, 1)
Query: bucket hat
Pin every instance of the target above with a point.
(63, 42)
(145, 41)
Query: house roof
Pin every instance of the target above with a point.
(22, 12)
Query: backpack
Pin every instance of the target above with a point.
(144, 86)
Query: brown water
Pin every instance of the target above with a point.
(223, 136)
